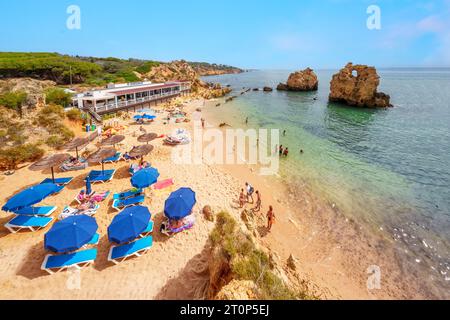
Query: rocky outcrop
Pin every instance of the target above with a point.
(356, 85)
(183, 71)
(305, 80)
(268, 89)
(238, 290)
(34, 89)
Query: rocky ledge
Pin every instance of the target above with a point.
(305, 80)
(356, 85)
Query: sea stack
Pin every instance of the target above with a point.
(356, 85)
(305, 80)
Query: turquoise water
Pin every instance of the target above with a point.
(387, 168)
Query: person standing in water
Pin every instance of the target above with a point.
(286, 152)
(270, 218)
(281, 150)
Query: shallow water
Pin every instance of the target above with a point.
(389, 168)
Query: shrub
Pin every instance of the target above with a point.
(74, 114)
(11, 157)
(249, 263)
(58, 96)
(14, 100)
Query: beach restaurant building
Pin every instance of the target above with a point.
(129, 96)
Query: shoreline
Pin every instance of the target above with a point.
(324, 241)
(176, 268)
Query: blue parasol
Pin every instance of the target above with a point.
(30, 196)
(180, 204)
(129, 224)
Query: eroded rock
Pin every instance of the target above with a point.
(305, 80)
(356, 85)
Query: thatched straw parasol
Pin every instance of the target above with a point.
(49, 163)
(76, 144)
(141, 151)
(101, 155)
(112, 141)
(147, 137)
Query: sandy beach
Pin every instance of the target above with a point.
(176, 268)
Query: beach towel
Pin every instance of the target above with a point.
(163, 187)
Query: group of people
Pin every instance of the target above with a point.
(283, 151)
(245, 196)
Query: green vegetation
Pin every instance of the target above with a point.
(51, 118)
(90, 70)
(13, 100)
(50, 66)
(11, 157)
(58, 96)
(74, 114)
(249, 263)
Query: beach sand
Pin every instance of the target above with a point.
(176, 268)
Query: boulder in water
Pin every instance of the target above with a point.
(305, 80)
(356, 85)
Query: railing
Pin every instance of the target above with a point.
(122, 104)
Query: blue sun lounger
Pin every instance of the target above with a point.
(30, 223)
(99, 177)
(113, 159)
(94, 241)
(148, 230)
(36, 211)
(127, 194)
(59, 181)
(57, 263)
(130, 202)
(119, 254)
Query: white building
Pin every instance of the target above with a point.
(126, 96)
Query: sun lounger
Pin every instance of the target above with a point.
(68, 166)
(36, 211)
(58, 190)
(127, 194)
(78, 198)
(130, 202)
(59, 181)
(113, 159)
(57, 263)
(97, 173)
(118, 254)
(148, 230)
(30, 223)
(189, 223)
(128, 158)
(69, 212)
(95, 240)
(103, 178)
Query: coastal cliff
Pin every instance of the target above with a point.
(305, 80)
(356, 85)
(213, 69)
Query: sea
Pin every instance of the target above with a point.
(388, 169)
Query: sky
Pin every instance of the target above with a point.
(264, 34)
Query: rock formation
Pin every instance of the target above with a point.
(356, 85)
(238, 290)
(305, 80)
(35, 89)
(268, 89)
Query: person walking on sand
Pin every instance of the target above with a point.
(250, 191)
(270, 218)
(242, 199)
(257, 208)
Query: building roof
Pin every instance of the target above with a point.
(146, 88)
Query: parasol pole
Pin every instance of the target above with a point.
(53, 175)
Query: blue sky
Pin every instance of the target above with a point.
(282, 34)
